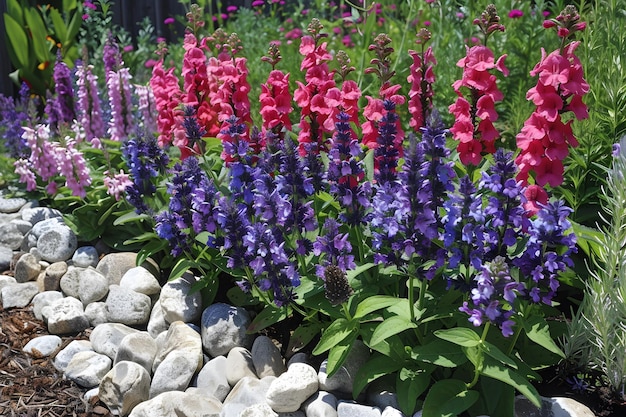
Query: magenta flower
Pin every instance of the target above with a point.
(516, 14)
(231, 9)
(257, 3)
(169, 21)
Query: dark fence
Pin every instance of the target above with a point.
(126, 13)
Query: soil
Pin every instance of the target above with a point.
(30, 386)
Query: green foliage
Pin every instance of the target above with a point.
(35, 35)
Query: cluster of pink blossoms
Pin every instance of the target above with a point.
(275, 97)
(545, 138)
(90, 112)
(421, 78)
(167, 93)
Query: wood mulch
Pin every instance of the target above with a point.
(30, 386)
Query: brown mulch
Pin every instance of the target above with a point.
(30, 386)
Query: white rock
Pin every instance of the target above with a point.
(139, 348)
(173, 374)
(321, 404)
(212, 378)
(127, 306)
(224, 327)
(70, 281)
(139, 279)
(178, 404)
(258, 410)
(27, 268)
(390, 411)
(87, 368)
(65, 355)
(180, 337)
(106, 338)
(292, 388)
(247, 392)
(124, 386)
(239, 365)
(65, 316)
(266, 357)
(97, 313)
(57, 244)
(18, 295)
(42, 346)
(157, 323)
(85, 256)
(44, 299)
(178, 303)
(92, 286)
(114, 265)
(350, 409)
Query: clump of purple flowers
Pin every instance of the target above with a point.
(12, 117)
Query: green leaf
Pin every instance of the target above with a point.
(183, 265)
(268, 316)
(353, 273)
(497, 399)
(338, 354)
(131, 216)
(502, 373)
(376, 367)
(410, 384)
(497, 354)
(448, 398)
(440, 353)
(373, 303)
(334, 334)
(59, 25)
(150, 249)
(538, 331)
(17, 40)
(302, 335)
(390, 327)
(73, 27)
(15, 10)
(38, 33)
(460, 336)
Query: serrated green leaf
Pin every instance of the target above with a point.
(538, 331)
(17, 40)
(390, 327)
(373, 303)
(448, 398)
(334, 334)
(460, 336)
(375, 367)
(502, 373)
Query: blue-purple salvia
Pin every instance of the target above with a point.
(12, 117)
(193, 131)
(333, 248)
(111, 56)
(61, 104)
(345, 174)
(388, 145)
(145, 161)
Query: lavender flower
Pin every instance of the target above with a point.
(90, 112)
(11, 121)
(388, 145)
(168, 227)
(233, 226)
(64, 93)
(120, 101)
(111, 56)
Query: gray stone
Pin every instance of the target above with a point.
(381, 393)
(352, 409)
(36, 215)
(70, 281)
(106, 338)
(65, 316)
(18, 295)
(299, 357)
(180, 337)
(266, 357)
(258, 410)
(157, 323)
(42, 346)
(239, 365)
(178, 303)
(212, 378)
(65, 355)
(115, 265)
(321, 404)
(6, 256)
(87, 368)
(57, 244)
(53, 275)
(22, 225)
(126, 385)
(10, 236)
(223, 327)
(139, 279)
(92, 286)
(343, 380)
(247, 392)
(292, 388)
(27, 268)
(139, 348)
(97, 313)
(127, 306)
(4, 281)
(85, 256)
(173, 374)
(43, 299)
(552, 407)
(11, 204)
(178, 404)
